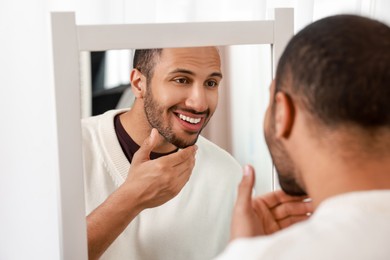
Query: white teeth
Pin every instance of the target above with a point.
(189, 119)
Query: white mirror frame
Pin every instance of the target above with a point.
(70, 39)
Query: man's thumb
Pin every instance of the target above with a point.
(244, 197)
(143, 153)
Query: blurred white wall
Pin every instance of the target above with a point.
(28, 178)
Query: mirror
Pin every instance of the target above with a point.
(236, 126)
(70, 39)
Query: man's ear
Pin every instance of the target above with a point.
(284, 115)
(138, 83)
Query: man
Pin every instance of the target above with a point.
(169, 207)
(328, 130)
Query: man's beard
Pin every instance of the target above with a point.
(154, 114)
(284, 165)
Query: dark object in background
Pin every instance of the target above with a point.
(106, 99)
(102, 99)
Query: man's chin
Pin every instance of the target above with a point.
(183, 143)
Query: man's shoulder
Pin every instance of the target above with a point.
(212, 151)
(110, 114)
(99, 125)
(206, 144)
(107, 116)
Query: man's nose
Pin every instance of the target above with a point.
(197, 99)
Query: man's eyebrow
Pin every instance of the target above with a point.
(216, 74)
(182, 71)
(179, 70)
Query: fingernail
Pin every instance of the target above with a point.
(153, 133)
(246, 170)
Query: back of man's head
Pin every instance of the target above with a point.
(338, 70)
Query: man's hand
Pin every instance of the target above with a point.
(150, 183)
(265, 214)
(154, 182)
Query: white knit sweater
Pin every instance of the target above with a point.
(354, 225)
(193, 225)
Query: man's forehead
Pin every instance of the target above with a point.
(200, 61)
(200, 55)
(191, 49)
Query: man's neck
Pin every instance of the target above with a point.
(327, 174)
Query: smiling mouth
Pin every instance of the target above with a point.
(188, 119)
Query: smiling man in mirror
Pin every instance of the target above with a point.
(155, 188)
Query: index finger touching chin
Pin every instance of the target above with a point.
(181, 156)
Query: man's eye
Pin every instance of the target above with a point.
(211, 83)
(181, 80)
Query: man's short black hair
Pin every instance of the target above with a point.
(145, 60)
(338, 68)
